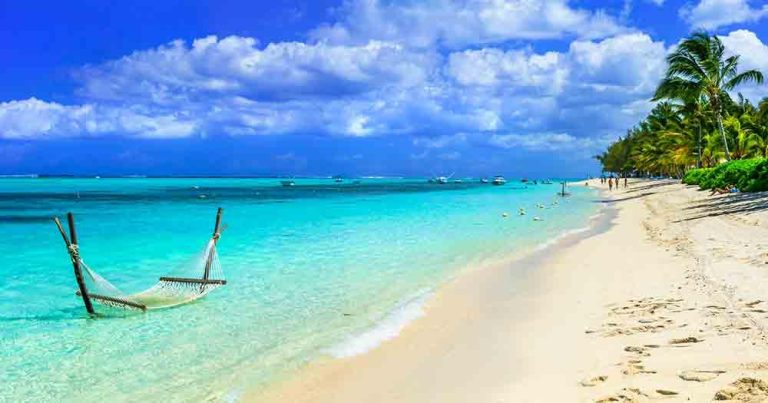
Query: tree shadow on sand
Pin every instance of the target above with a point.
(645, 190)
(725, 205)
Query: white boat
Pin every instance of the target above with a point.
(499, 180)
(288, 183)
(440, 180)
(484, 180)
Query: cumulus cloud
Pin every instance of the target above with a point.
(237, 66)
(33, 118)
(711, 14)
(491, 67)
(454, 24)
(546, 142)
(753, 54)
(447, 76)
(232, 86)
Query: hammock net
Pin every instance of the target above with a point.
(191, 283)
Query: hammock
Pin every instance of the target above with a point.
(201, 276)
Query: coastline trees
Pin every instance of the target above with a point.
(698, 69)
(696, 123)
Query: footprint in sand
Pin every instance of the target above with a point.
(744, 390)
(685, 341)
(637, 350)
(593, 381)
(636, 369)
(696, 375)
(626, 395)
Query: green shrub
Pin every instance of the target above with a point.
(758, 180)
(693, 176)
(749, 175)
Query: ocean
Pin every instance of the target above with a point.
(317, 269)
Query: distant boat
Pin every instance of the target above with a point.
(457, 181)
(524, 180)
(484, 180)
(288, 183)
(338, 179)
(546, 182)
(499, 180)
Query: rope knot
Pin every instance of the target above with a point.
(216, 236)
(74, 252)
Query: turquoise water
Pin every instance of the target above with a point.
(307, 266)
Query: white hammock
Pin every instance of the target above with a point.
(201, 276)
(168, 292)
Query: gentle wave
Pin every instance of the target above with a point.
(387, 328)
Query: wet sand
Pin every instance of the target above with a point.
(664, 301)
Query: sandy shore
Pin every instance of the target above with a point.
(665, 302)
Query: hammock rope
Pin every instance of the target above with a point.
(194, 281)
(167, 292)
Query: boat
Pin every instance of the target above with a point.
(338, 179)
(288, 183)
(484, 180)
(499, 180)
(457, 181)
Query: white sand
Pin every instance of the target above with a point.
(610, 306)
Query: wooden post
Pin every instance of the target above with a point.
(71, 243)
(216, 235)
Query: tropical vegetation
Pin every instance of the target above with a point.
(697, 123)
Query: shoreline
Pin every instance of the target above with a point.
(624, 313)
(518, 264)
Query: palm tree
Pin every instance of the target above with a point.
(698, 69)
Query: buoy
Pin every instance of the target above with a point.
(504, 215)
(521, 211)
(537, 219)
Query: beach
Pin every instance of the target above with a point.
(660, 298)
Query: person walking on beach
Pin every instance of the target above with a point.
(610, 183)
(625, 182)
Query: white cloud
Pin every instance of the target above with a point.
(753, 54)
(33, 118)
(509, 69)
(236, 66)
(711, 14)
(632, 62)
(233, 87)
(546, 142)
(457, 23)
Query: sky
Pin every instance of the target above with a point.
(353, 87)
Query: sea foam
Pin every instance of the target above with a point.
(387, 328)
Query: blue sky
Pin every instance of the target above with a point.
(357, 87)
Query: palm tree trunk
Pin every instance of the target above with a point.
(698, 160)
(722, 133)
